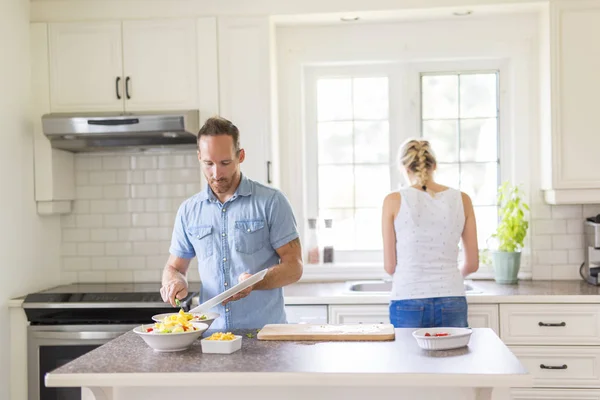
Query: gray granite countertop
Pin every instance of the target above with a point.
(129, 357)
(486, 291)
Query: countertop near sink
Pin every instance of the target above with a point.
(491, 292)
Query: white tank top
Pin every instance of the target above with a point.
(428, 231)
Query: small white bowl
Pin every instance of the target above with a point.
(221, 346)
(457, 337)
(164, 342)
(210, 317)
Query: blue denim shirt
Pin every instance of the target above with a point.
(229, 239)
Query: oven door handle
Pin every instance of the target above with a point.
(77, 335)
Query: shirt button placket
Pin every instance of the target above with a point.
(224, 248)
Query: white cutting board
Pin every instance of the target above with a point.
(327, 332)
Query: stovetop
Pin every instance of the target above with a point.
(87, 303)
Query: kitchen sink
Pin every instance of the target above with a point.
(381, 287)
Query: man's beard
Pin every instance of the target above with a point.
(222, 185)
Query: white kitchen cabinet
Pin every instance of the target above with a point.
(570, 166)
(54, 175)
(306, 314)
(125, 66)
(247, 92)
(160, 65)
(479, 315)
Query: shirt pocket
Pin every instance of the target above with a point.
(201, 237)
(249, 235)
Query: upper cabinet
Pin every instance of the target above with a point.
(570, 137)
(124, 66)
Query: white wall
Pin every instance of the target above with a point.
(29, 245)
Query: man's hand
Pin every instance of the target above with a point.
(176, 288)
(241, 294)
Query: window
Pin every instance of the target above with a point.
(353, 159)
(459, 116)
(356, 119)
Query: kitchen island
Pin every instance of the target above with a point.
(126, 368)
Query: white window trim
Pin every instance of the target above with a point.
(405, 122)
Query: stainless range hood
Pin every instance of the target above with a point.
(90, 132)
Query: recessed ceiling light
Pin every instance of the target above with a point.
(350, 18)
(462, 13)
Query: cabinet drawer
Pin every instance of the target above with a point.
(570, 324)
(561, 366)
(554, 394)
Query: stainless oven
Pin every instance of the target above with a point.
(69, 321)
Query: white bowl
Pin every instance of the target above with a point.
(210, 317)
(221, 346)
(164, 342)
(457, 337)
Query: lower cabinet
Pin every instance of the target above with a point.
(554, 394)
(480, 315)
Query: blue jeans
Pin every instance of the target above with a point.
(429, 313)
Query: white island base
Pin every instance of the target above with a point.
(127, 369)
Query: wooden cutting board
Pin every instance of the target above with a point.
(327, 332)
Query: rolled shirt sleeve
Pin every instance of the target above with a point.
(282, 222)
(180, 243)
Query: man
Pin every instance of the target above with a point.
(236, 227)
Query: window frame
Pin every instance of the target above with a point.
(405, 118)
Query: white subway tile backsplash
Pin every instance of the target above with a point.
(541, 271)
(542, 242)
(116, 192)
(157, 262)
(90, 249)
(68, 249)
(541, 211)
(172, 190)
(157, 205)
(147, 276)
(76, 263)
(129, 177)
(575, 225)
(149, 248)
(565, 272)
(567, 242)
(549, 226)
(132, 262)
(144, 191)
(105, 263)
(119, 276)
(102, 177)
(82, 178)
(191, 161)
(119, 249)
(131, 205)
(591, 210)
(87, 163)
(132, 234)
(81, 206)
(159, 233)
(104, 235)
(116, 162)
(75, 235)
(67, 221)
(171, 161)
(67, 278)
(88, 192)
(576, 256)
(122, 220)
(92, 277)
(185, 175)
(88, 221)
(552, 257)
(157, 176)
(103, 206)
(144, 162)
(566, 211)
(166, 219)
(144, 220)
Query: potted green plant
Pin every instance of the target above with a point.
(510, 234)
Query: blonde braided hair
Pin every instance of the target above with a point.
(417, 157)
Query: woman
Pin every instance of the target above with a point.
(422, 227)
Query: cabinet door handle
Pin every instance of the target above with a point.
(127, 87)
(564, 366)
(551, 324)
(269, 172)
(117, 84)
